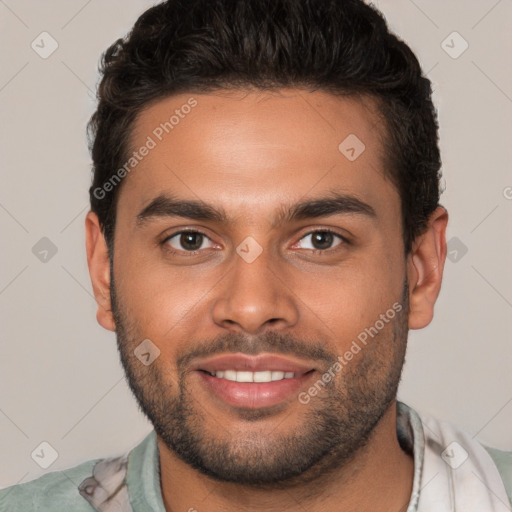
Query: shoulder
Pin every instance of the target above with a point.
(99, 482)
(503, 461)
(44, 492)
(442, 441)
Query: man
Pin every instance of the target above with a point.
(265, 228)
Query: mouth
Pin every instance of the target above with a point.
(260, 376)
(253, 382)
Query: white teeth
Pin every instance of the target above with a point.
(277, 375)
(230, 374)
(245, 376)
(262, 376)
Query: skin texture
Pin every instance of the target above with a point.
(254, 154)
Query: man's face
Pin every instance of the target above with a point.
(261, 281)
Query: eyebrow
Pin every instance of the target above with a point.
(165, 206)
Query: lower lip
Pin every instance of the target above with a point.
(254, 394)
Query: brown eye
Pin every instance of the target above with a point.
(188, 241)
(321, 240)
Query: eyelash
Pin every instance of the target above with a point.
(174, 252)
(344, 241)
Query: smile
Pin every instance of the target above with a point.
(260, 376)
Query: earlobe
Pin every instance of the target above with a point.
(425, 267)
(99, 270)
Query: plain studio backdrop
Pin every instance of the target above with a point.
(61, 382)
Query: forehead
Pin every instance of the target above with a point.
(256, 150)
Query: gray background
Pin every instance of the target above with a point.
(60, 379)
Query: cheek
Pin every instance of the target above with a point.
(162, 300)
(345, 301)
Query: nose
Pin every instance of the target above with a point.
(254, 296)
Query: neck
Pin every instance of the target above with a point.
(379, 478)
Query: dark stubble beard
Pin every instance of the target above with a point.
(336, 426)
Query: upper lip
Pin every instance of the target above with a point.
(242, 362)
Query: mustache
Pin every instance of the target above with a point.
(271, 342)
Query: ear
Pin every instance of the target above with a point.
(99, 270)
(425, 266)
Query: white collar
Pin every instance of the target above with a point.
(452, 471)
